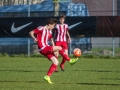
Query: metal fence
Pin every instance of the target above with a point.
(32, 14)
(87, 45)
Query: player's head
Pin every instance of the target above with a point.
(62, 18)
(51, 22)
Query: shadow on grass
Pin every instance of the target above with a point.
(99, 84)
(110, 78)
(98, 71)
(103, 84)
(21, 71)
(21, 81)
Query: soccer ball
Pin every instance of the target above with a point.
(77, 52)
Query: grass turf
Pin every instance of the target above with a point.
(87, 74)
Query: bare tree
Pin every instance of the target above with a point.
(1, 2)
(56, 8)
(13, 2)
(22, 2)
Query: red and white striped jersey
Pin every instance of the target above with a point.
(43, 35)
(61, 31)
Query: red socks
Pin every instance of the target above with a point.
(65, 56)
(51, 69)
(63, 61)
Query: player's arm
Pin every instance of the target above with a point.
(33, 36)
(54, 36)
(52, 42)
(69, 38)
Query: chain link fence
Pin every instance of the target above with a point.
(26, 46)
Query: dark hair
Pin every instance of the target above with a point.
(51, 21)
(62, 16)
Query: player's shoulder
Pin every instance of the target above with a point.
(40, 27)
(66, 24)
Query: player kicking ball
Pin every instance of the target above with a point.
(43, 35)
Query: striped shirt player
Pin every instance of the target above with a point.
(43, 36)
(61, 31)
(60, 38)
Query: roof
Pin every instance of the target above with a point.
(72, 9)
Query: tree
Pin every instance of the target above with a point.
(13, 2)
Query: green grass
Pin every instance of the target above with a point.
(87, 74)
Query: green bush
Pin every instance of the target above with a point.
(36, 55)
(21, 55)
(106, 57)
(90, 56)
(5, 55)
(116, 57)
(82, 56)
(1, 55)
(26, 56)
(102, 57)
(13, 55)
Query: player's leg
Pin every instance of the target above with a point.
(53, 66)
(61, 51)
(48, 52)
(51, 69)
(64, 55)
(56, 55)
(65, 47)
(63, 61)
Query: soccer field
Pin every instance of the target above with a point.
(87, 74)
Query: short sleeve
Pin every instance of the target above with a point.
(38, 30)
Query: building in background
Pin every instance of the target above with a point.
(95, 7)
(118, 7)
(101, 7)
(44, 9)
